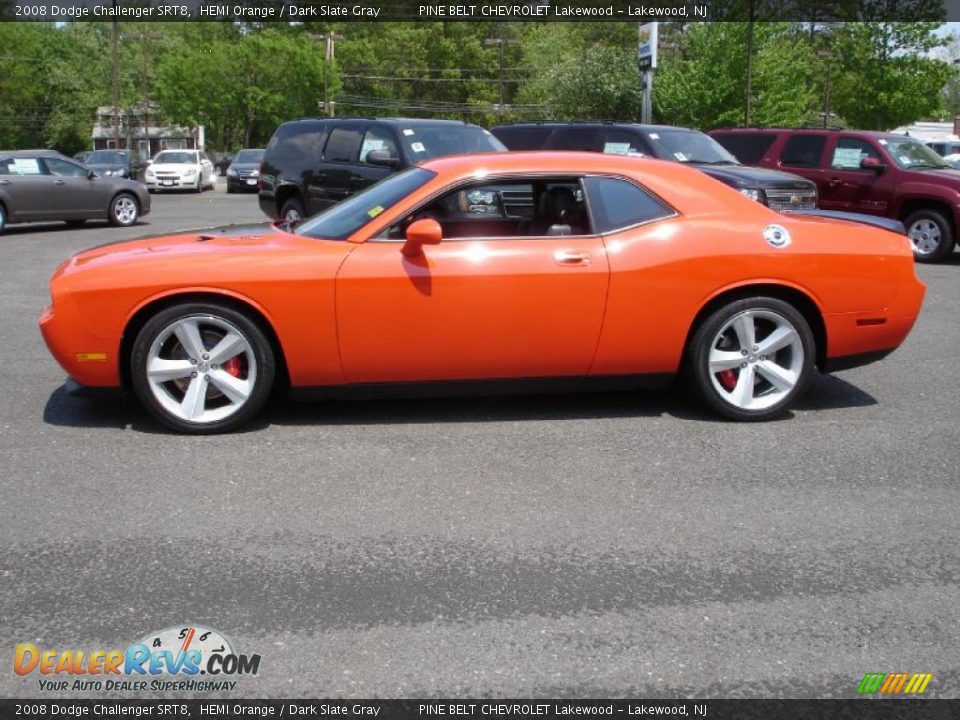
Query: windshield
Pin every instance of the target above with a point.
(909, 153)
(249, 156)
(345, 218)
(106, 157)
(176, 157)
(429, 141)
(689, 146)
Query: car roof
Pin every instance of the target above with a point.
(879, 134)
(30, 153)
(596, 123)
(561, 162)
(408, 122)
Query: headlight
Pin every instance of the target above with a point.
(190, 171)
(149, 172)
(756, 195)
(232, 171)
(255, 173)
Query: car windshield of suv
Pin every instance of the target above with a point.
(248, 157)
(689, 146)
(429, 141)
(106, 157)
(345, 218)
(176, 157)
(912, 154)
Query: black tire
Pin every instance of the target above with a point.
(230, 190)
(124, 219)
(765, 312)
(931, 235)
(3, 217)
(199, 188)
(251, 332)
(290, 207)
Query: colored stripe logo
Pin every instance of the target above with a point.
(894, 683)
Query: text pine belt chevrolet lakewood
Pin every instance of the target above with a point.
(508, 268)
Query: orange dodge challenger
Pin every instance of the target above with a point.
(516, 270)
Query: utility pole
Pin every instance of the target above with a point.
(647, 46)
(115, 77)
(502, 43)
(746, 97)
(329, 54)
(827, 58)
(143, 39)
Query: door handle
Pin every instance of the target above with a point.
(59, 182)
(4, 182)
(834, 181)
(571, 257)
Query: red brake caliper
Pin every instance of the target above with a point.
(232, 366)
(728, 378)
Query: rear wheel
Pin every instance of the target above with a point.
(931, 235)
(752, 358)
(3, 218)
(292, 211)
(202, 368)
(124, 210)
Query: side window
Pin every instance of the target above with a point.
(522, 208)
(5, 167)
(748, 148)
(25, 166)
(62, 168)
(849, 152)
(575, 138)
(620, 142)
(343, 145)
(378, 139)
(617, 204)
(803, 150)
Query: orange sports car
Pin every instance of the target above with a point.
(488, 271)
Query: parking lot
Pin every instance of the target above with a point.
(566, 545)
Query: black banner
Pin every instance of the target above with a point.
(640, 11)
(854, 709)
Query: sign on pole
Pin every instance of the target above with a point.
(647, 46)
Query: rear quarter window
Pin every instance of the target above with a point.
(522, 138)
(296, 147)
(747, 148)
(617, 204)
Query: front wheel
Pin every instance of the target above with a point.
(931, 235)
(202, 368)
(124, 210)
(752, 358)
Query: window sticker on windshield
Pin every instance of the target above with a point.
(654, 136)
(25, 166)
(418, 147)
(408, 133)
(375, 210)
(905, 159)
(617, 148)
(882, 142)
(680, 156)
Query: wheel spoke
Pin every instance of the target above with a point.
(746, 333)
(161, 370)
(236, 390)
(195, 400)
(723, 360)
(231, 345)
(778, 376)
(782, 336)
(188, 333)
(742, 393)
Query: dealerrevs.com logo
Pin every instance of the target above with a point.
(172, 659)
(898, 683)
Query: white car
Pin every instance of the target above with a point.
(180, 170)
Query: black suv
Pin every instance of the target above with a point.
(780, 191)
(313, 163)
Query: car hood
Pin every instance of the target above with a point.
(741, 176)
(173, 167)
(107, 166)
(245, 167)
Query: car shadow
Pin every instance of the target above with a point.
(119, 411)
(56, 225)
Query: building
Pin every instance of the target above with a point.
(139, 130)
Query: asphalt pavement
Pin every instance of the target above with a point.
(565, 545)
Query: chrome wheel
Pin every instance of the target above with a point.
(925, 236)
(125, 210)
(201, 369)
(756, 359)
(292, 215)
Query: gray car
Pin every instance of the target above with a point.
(41, 185)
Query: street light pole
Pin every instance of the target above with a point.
(114, 71)
(329, 53)
(502, 43)
(827, 57)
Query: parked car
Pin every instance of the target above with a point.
(244, 171)
(616, 272)
(221, 161)
(81, 157)
(312, 164)
(40, 185)
(180, 170)
(876, 173)
(778, 190)
(116, 163)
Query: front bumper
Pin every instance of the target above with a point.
(90, 359)
(177, 183)
(241, 184)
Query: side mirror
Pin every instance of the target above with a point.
(382, 157)
(872, 163)
(92, 175)
(419, 233)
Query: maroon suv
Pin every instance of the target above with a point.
(865, 172)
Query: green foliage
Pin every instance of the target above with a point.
(887, 78)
